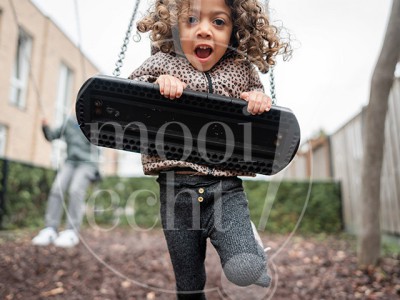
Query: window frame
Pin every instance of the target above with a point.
(3, 139)
(63, 104)
(21, 69)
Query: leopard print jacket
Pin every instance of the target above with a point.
(227, 78)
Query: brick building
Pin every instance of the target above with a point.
(41, 73)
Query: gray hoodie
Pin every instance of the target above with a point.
(78, 147)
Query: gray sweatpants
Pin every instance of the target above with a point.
(194, 208)
(75, 179)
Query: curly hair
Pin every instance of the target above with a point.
(253, 37)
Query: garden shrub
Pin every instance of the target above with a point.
(26, 196)
(316, 206)
(134, 202)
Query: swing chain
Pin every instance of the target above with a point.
(124, 47)
(272, 85)
(271, 68)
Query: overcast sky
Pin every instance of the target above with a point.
(325, 83)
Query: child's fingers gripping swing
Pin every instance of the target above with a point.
(258, 102)
(170, 86)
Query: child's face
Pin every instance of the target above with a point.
(204, 32)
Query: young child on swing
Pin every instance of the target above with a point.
(208, 46)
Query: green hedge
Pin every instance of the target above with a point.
(315, 206)
(124, 201)
(133, 202)
(27, 190)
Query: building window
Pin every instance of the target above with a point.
(64, 94)
(20, 75)
(3, 140)
(63, 109)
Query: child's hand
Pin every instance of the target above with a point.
(258, 102)
(170, 86)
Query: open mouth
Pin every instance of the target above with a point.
(203, 51)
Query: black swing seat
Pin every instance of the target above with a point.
(202, 128)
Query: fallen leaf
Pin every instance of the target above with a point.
(52, 292)
(151, 296)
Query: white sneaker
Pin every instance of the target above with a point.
(67, 239)
(45, 237)
(256, 235)
(258, 238)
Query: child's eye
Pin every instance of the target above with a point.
(219, 22)
(192, 20)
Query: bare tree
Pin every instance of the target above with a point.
(369, 240)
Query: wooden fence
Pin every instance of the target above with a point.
(390, 180)
(340, 158)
